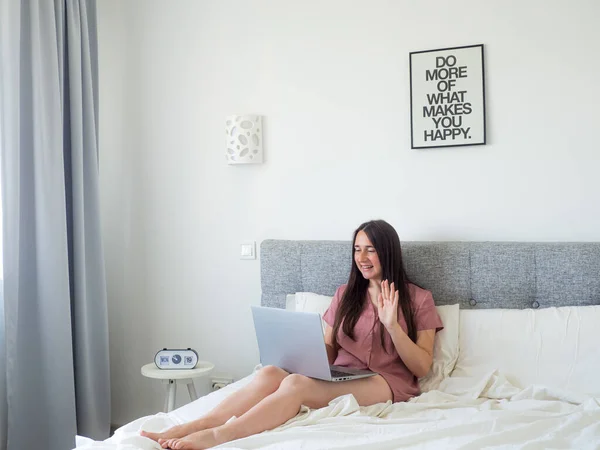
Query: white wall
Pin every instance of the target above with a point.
(331, 79)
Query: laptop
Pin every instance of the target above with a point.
(294, 341)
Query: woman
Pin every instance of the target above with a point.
(379, 321)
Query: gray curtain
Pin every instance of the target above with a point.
(54, 379)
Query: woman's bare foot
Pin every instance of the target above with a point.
(199, 440)
(177, 431)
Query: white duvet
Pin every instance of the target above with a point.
(466, 413)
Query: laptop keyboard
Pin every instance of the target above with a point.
(337, 373)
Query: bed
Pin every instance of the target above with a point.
(519, 360)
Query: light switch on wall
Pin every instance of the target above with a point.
(248, 250)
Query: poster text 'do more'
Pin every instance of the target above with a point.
(445, 69)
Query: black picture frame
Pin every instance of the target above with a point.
(447, 97)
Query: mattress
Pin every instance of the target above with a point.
(466, 412)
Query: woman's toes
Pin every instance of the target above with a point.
(153, 436)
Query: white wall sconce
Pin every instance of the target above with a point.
(244, 139)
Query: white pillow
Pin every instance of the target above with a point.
(445, 348)
(553, 347)
(290, 302)
(310, 302)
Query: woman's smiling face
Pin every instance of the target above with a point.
(365, 257)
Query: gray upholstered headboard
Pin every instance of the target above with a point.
(474, 274)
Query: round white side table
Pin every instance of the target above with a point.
(173, 377)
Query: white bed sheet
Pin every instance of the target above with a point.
(466, 413)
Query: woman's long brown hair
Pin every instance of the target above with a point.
(386, 242)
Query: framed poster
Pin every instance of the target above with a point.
(447, 98)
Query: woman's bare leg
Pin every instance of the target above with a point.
(266, 381)
(282, 405)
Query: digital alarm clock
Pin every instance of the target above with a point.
(176, 358)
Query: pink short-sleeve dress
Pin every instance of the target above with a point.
(366, 352)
